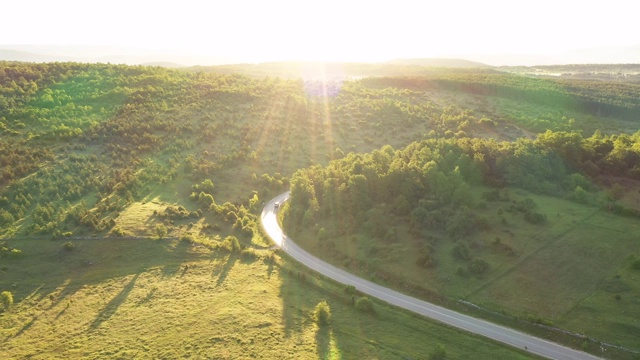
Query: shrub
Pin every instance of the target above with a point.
(187, 238)
(249, 254)
(322, 313)
(118, 231)
(6, 299)
(478, 266)
(364, 304)
(68, 246)
(161, 231)
(535, 218)
(461, 252)
(350, 289)
(232, 244)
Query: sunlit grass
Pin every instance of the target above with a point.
(166, 299)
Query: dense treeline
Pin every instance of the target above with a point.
(430, 181)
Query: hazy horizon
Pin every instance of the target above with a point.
(252, 31)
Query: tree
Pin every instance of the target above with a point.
(6, 298)
(322, 313)
(161, 231)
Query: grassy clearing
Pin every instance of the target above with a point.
(519, 118)
(565, 272)
(580, 273)
(165, 299)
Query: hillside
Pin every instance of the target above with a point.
(348, 71)
(128, 203)
(440, 62)
(119, 182)
(530, 229)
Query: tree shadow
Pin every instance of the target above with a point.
(300, 292)
(62, 312)
(47, 282)
(323, 342)
(296, 303)
(114, 304)
(224, 272)
(25, 327)
(148, 297)
(270, 266)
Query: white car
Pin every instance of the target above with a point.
(276, 205)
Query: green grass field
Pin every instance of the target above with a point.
(154, 299)
(571, 272)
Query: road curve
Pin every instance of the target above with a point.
(499, 333)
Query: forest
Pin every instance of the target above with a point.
(430, 181)
(463, 173)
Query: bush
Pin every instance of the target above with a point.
(535, 218)
(248, 254)
(118, 231)
(478, 266)
(461, 252)
(364, 304)
(161, 231)
(322, 313)
(232, 244)
(6, 299)
(350, 289)
(187, 238)
(68, 246)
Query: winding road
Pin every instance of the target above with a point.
(499, 333)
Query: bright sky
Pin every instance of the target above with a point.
(268, 30)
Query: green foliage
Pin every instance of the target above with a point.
(535, 217)
(461, 252)
(249, 254)
(69, 246)
(322, 314)
(8, 251)
(6, 299)
(232, 244)
(350, 289)
(478, 266)
(425, 259)
(160, 231)
(365, 304)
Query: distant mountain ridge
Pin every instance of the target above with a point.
(17, 55)
(138, 56)
(440, 62)
(105, 54)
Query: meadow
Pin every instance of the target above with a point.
(150, 298)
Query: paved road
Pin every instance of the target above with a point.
(499, 333)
